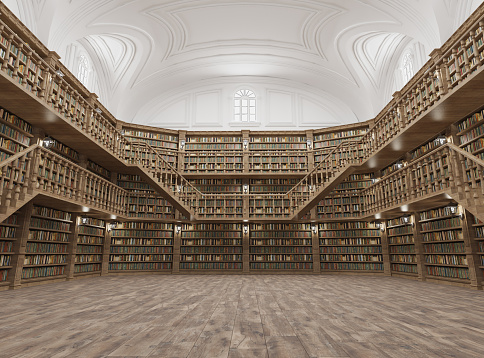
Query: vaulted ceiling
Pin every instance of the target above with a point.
(152, 58)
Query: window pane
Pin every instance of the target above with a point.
(244, 118)
(252, 117)
(252, 110)
(252, 102)
(244, 110)
(244, 103)
(237, 102)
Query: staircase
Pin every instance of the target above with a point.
(469, 181)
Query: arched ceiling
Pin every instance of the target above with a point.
(147, 52)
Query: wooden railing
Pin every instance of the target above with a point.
(38, 170)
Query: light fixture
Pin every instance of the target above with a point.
(314, 229)
(310, 187)
(178, 229)
(382, 227)
(399, 164)
(48, 142)
(406, 219)
(245, 188)
(245, 143)
(441, 140)
(179, 188)
(453, 209)
(182, 143)
(375, 180)
(84, 220)
(59, 73)
(98, 110)
(112, 225)
(309, 143)
(123, 131)
(246, 229)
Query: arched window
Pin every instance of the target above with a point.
(407, 67)
(83, 70)
(244, 106)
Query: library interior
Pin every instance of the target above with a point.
(287, 178)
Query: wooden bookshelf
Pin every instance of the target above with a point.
(445, 254)
(47, 244)
(15, 134)
(327, 140)
(211, 247)
(8, 230)
(478, 227)
(350, 246)
(401, 242)
(280, 247)
(98, 169)
(90, 243)
(141, 246)
(65, 151)
(471, 134)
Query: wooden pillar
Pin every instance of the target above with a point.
(182, 139)
(19, 245)
(245, 148)
(310, 139)
(419, 248)
(176, 247)
(72, 247)
(471, 249)
(385, 251)
(315, 242)
(106, 251)
(246, 248)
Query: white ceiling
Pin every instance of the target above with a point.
(148, 55)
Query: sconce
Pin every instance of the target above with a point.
(123, 131)
(179, 188)
(182, 144)
(98, 110)
(112, 226)
(84, 220)
(310, 187)
(399, 164)
(178, 229)
(309, 144)
(314, 229)
(59, 73)
(375, 180)
(48, 142)
(382, 227)
(245, 143)
(245, 188)
(441, 140)
(246, 229)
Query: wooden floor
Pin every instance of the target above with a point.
(242, 316)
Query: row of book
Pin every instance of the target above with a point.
(45, 259)
(146, 200)
(349, 233)
(16, 121)
(217, 139)
(98, 169)
(280, 234)
(470, 121)
(14, 134)
(88, 258)
(211, 234)
(437, 213)
(397, 240)
(5, 260)
(448, 235)
(34, 247)
(141, 242)
(89, 230)
(346, 225)
(139, 257)
(84, 239)
(402, 249)
(450, 223)
(7, 232)
(141, 250)
(424, 149)
(281, 242)
(451, 247)
(11, 145)
(475, 146)
(396, 267)
(400, 230)
(87, 268)
(40, 235)
(211, 250)
(451, 272)
(211, 242)
(38, 223)
(141, 233)
(281, 250)
(210, 266)
(3, 275)
(350, 250)
(210, 257)
(158, 143)
(281, 257)
(351, 257)
(88, 249)
(51, 213)
(403, 258)
(350, 241)
(6, 246)
(446, 259)
(344, 134)
(34, 272)
(150, 135)
(212, 146)
(142, 266)
(352, 266)
(281, 265)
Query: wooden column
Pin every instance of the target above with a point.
(176, 248)
(245, 137)
(310, 137)
(19, 245)
(106, 251)
(472, 248)
(385, 251)
(181, 151)
(72, 247)
(315, 242)
(419, 248)
(246, 248)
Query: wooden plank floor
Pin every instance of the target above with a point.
(242, 316)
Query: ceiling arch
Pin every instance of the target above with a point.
(344, 51)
